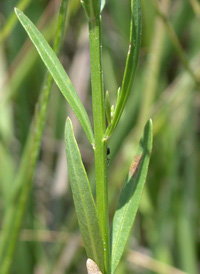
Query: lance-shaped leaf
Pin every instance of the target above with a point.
(130, 197)
(108, 107)
(58, 73)
(83, 199)
(131, 63)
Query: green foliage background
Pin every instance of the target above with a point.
(167, 225)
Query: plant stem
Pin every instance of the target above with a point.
(100, 148)
(176, 43)
(196, 6)
(153, 70)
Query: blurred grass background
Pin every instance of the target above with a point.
(166, 234)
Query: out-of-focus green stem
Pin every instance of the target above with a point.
(15, 212)
(152, 70)
(99, 130)
(10, 23)
(176, 43)
(196, 7)
(27, 61)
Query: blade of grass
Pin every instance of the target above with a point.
(187, 214)
(15, 212)
(17, 71)
(58, 73)
(28, 57)
(131, 64)
(153, 70)
(130, 197)
(150, 264)
(83, 199)
(186, 245)
(196, 6)
(11, 22)
(176, 43)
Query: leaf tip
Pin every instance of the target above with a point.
(148, 129)
(17, 11)
(147, 141)
(149, 123)
(68, 123)
(68, 120)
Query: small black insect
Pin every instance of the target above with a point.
(108, 152)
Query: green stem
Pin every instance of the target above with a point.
(196, 6)
(11, 22)
(176, 43)
(152, 70)
(100, 148)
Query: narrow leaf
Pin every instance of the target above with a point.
(108, 107)
(83, 199)
(58, 73)
(131, 62)
(130, 197)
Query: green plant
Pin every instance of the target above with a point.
(103, 247)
